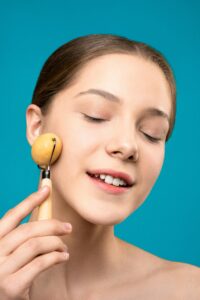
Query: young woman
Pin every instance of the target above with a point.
(113, 103)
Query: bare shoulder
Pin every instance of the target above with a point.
(187, 278)
(183, 278)
(176, 280)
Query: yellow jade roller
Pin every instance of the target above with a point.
(45, 151)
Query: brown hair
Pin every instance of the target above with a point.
(61, 68)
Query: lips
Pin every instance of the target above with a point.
(126, 177)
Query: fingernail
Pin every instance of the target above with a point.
(67, 226)
(65, 255)
(43, 189)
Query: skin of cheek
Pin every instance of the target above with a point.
(152, 158)
(84, 149)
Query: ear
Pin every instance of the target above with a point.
(33, 123)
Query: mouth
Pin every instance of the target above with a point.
(108, 187)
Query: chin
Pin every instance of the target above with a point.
(102, 220)
(104, 216)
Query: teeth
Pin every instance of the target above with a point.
(111, 180)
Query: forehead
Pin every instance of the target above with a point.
(131, 69)
(127, 76)
(140, 84)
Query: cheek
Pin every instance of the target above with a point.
(78, 138)
(150, 166)
(153, 164)
(78, 145)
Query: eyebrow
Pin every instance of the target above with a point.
(152, 111)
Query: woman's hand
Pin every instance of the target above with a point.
(28, 249)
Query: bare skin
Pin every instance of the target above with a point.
(141, 275)
(27, 249)
(100, 265)
(29, 254)
(156, 279)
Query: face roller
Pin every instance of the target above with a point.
(45, 151)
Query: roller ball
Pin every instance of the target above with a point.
(42, 149)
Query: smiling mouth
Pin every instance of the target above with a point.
(109, 184)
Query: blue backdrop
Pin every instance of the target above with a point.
(167, 224)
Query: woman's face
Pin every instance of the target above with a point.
(119, 142)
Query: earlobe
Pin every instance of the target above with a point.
(33, 123)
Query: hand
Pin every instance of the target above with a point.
(28, 249)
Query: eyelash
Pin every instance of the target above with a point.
(152, 139)
(94, 119)
(91, 119)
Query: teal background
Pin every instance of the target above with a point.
(168, 223)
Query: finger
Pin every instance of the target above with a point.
(24, 232)
(23, 279)
(15, 215)
(26, 275)
(30, 250)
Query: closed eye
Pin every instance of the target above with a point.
(91, 119)
(152, 139)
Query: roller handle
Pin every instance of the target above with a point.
(45, 209)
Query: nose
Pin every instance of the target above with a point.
(124, 145)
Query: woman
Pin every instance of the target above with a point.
(113, 103)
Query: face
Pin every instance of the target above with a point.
(123, 140)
